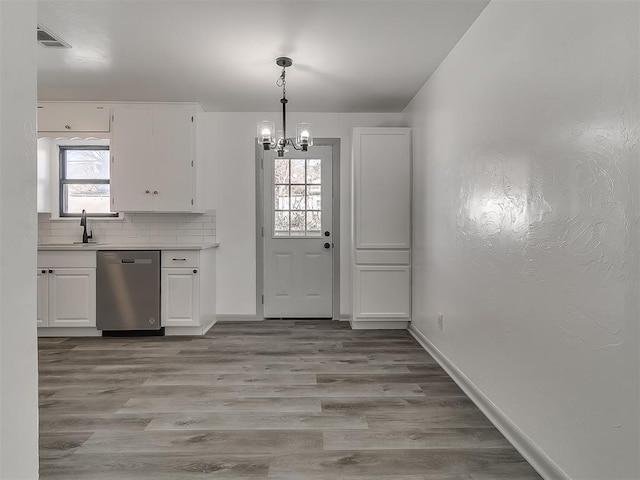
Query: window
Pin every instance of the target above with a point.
(84, 181)
(298, 198)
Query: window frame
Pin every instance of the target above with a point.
(62, 181)
(289, 185)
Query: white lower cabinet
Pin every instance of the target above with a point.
(180, 297)
(43, 298)
(187, 291)
(72, 297)
(66, 292)
(66, 289)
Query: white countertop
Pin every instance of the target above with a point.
(121, 246)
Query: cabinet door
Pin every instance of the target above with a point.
(180, 297)
(132, 161)
(72, 297)
(73, 117)
(382, 292)
(382, 188)
(173, 156)
(43, 298)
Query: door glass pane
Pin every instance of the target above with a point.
(297, 224)
(313, 171)
(297, 171)
(314, 225)
(314, 198)
(281, 196)
(281, 171)
(297, 197)
(281, 224)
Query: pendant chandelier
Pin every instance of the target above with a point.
(267, 136)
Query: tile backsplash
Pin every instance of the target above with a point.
(134, 228)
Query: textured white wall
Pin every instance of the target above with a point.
(233, 172)
(526, 223)
(18, 224)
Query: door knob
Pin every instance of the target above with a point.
(50, 271)
(327, 245)
(147, 191)
(155, 192)
(195, 271)
(326, 234)
(44, 271)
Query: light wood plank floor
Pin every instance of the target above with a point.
(294, 400)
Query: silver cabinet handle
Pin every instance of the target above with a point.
(155, 192)
(67, 127)
(147, 191)
(179, 259)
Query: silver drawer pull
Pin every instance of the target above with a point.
(179, 259)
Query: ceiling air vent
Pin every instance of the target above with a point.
(48, 39)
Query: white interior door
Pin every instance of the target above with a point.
(298, 234)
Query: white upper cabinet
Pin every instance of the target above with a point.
(382, 188)
(73, 117)
(153, 157)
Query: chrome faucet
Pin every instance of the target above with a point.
(83, 223)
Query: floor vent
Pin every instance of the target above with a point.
(48, 39)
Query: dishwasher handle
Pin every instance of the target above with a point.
(136, 260)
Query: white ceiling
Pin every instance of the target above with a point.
(349, 56)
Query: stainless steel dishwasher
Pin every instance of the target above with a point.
(128, 290)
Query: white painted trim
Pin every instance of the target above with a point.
(69, 332)
(238, 318)
(378, 324)
(536, 457)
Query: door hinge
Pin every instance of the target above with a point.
(192, 201)
(262, 231)
(112, 199)
(113, 118)
(113, 158)
(191, 118)
(261, 163)
(262, 299)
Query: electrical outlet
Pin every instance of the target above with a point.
(441, 321)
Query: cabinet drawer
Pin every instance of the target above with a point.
(73, 117)
(180, 258)
(57, 259)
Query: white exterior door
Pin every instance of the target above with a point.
(298, 234)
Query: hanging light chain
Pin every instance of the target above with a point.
(282, 82)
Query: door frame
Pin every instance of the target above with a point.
(334, 143)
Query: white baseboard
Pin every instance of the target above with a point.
(232, 317)
(378, 324)
(255, 318)
(69, 332)
(527, 448)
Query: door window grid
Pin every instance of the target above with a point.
(297, 198)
